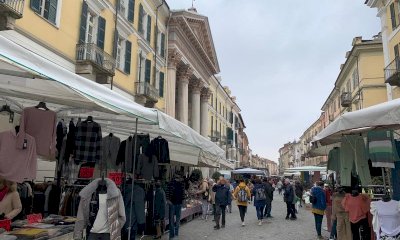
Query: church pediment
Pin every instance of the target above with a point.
(198, 31)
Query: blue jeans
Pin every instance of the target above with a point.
(318, 223)
(260, 212)
(268, 209)
(174, 214)
(333, 232)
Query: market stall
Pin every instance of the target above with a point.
(27, 78)
(372, 129)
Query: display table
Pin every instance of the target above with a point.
(187, 213)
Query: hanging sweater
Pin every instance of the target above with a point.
(381, 150)
(357, 207)
(386, 218)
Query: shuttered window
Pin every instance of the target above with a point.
(128, 50)
(131, 10)
(148, 37)
(162, 53)
(82, 28)
(393, 16)
(141, 15)
(147, 72)
(161, 85)
(101, 30)
(45, 8)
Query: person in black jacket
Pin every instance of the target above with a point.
(221, 201)
(269, 189)
(175, 195)
(288, 197)
(299, 190)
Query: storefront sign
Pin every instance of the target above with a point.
(34, 218)
(116, 177)
(86, 172)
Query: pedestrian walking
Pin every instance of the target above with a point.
(231, 189)
(175, 195)
(221, 201)
(279, 185)
(318, 206)
(270, 196)
(260, 199)
(299, 192)
(203, 194)
(242, 196)
(289, 197)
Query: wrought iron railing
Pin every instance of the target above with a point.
(147, 90)
(92, 53)
(16, 6)
(345, 99)
(392, 69)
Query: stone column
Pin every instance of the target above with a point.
(184, 74)
(174, 59)
(205, 96)
(195, 87)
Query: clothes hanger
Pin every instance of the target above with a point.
(6, 108)
(42, 105)
(386, 197)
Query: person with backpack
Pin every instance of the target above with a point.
(221, 201)
(260, 199)
(318, 206)
(242, 196)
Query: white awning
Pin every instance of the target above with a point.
(26, 76)
(306, 169)
(249, 171)
(385, 115)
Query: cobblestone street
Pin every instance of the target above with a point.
(276, 228)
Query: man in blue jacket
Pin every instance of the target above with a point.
(221, 201)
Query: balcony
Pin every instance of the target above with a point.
(91, 59)
(392, 72)
(345, 99)
(147, 91)
(216, 136)
(9, 11)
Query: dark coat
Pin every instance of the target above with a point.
(160, 149)
(259, 203)
(221, 194)
(299, 190)
(270, 191)
(319, 193)
(288, 194)
(175, 192)
(159, 204)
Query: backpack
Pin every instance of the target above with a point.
(260, 194)
(242, 195)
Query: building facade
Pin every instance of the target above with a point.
(388, 12)
(121, 44)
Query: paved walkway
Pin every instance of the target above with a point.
(276, 228)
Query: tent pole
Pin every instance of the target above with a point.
(384, 178)
(133, 179)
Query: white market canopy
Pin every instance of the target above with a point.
(289, 174)
(306, 169)
(385, 115)
(248, 171)
(26, 77)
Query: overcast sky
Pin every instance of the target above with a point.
(281, 58)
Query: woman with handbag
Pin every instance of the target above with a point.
(203, 194)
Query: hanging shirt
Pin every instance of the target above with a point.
(386, 218)
(110, 151)
(147, 168)
(101, 223)
(88, 142)
(40, 124)
(160, 149)
(17, 162)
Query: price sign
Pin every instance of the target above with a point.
(34, 218)
(116, 177)
(86, 172)
(5, 224)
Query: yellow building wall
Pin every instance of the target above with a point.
(373, 96)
